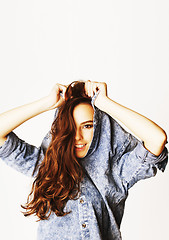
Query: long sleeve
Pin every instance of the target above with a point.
(20, 155)
(134, 161)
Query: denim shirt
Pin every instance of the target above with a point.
(115, 161)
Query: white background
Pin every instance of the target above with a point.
(123, 43)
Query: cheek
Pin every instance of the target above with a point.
(89, 136)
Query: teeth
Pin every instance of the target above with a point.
(79, 146)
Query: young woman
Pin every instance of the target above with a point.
(87, 162)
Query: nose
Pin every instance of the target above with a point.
(78, 135)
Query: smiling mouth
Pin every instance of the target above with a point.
(80, 146)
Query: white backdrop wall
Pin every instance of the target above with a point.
(123, 43)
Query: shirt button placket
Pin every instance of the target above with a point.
(83, 216)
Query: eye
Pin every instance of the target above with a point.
(88, 126)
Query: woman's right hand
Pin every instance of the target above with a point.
(15, 117)
(57, 96)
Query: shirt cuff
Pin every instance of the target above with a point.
(8, 145)
(148, 157)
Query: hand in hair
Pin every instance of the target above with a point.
(15, 117)
(56, 96)
(138, 124)
(92, 88)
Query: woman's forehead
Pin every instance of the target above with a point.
(83, 112)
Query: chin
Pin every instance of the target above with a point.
(81, 154)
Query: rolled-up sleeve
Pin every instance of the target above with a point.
(138, 163)
(20, 155)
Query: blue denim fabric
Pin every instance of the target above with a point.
(115, 161)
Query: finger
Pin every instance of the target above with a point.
(62, 87)
(90, 88)
(94, 87)
(55, 89)
(62, 90)
(86, 88)
(100, 87)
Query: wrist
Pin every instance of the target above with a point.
(101, 102)
(44, 104)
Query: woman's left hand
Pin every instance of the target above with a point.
(91, 88)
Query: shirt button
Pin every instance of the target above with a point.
(83, 225)
(81, 200)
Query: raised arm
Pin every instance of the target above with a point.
(13, 118)
(153, 136)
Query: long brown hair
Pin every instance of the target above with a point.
(60, 173)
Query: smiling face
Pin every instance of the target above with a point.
(83, 115)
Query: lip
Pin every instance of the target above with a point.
(80, 147)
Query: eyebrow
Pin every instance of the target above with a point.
(89, 121)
